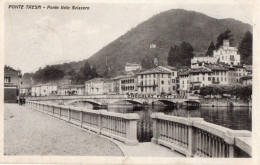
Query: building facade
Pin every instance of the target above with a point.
(132, 67)
(128, 84)
(154, 81)
(98, 86)
(12, 83)
(227, 54)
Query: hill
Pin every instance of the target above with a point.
(164, 29)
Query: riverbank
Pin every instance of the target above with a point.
(224, 102)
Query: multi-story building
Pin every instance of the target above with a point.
(154, 81)
(184, 83)
(240, 72)
(246, 80)
(132, 67)
(64, 90)
(128, 84)
(199, 78)
(26, 90)
(12, 83)
(220, 74)
(116, 84)
(48, 89)
(174, 75)
(98, 86)
(203, 58)
(36, 90)
(227, 54)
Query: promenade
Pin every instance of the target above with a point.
(29, 132)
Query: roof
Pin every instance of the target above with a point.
(8, 68)
(247, 77)
(169, 67)
(98, 79)
(154, 70)
(200, 71)
(217, 67)
(131, 64)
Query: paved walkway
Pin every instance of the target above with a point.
(29, 132)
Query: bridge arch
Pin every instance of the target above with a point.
(129, 101)
(88, 101)
(164, 101)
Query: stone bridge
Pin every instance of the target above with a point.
(100, 100)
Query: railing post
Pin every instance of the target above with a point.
(59, 112)
(68, 114)
(131, 129)
(156, 127)
(192, 137)
(81, 118)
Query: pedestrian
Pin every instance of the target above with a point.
(20, 101)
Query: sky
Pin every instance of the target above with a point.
(37, 38)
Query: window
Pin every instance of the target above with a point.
(162, 75)
(169, 76)
(203, 78)
(209, 78)
(172, 73)
(7, 80)
(162, 82)
(169, 82)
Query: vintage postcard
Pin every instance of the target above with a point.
(130, 82)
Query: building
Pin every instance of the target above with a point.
(174, 75)
(98, 86)
(49, 89)
(132, 67)
(220, 74)
(154, 81)
(12, 83)
(200, 59)
(26, 90)
(246, 80)
(227, 54)
(240, 72)
(184, 83)
(44, 89)
(116, 86)
(64, 90)
(36, 90)
(199, 78)
(128, 84)
(78, 89)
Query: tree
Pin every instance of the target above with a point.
(147, 62)
(210, 50)
(180, 56)
(94, 73)
(86, 71)
(226, 35)
(245, 48)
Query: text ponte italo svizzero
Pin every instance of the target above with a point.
(48, 7)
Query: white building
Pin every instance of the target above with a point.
(48, 89)
(26, 90)
(98, 86)
(174, 75)
(154, 81)
(227, 54)
(132, 67)
(128, 84)
(205, 59)
(36, 90)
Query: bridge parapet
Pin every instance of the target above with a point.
(122, 127)
(196, 137)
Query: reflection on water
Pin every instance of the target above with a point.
(237, 118)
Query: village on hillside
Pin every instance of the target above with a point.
(223, 68)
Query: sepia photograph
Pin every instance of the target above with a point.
(119, 80)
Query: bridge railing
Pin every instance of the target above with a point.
(122, 127)
(196, 137)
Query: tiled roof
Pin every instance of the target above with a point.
(247, 77)
(154, 70)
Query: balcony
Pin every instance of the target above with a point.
(10, 84)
